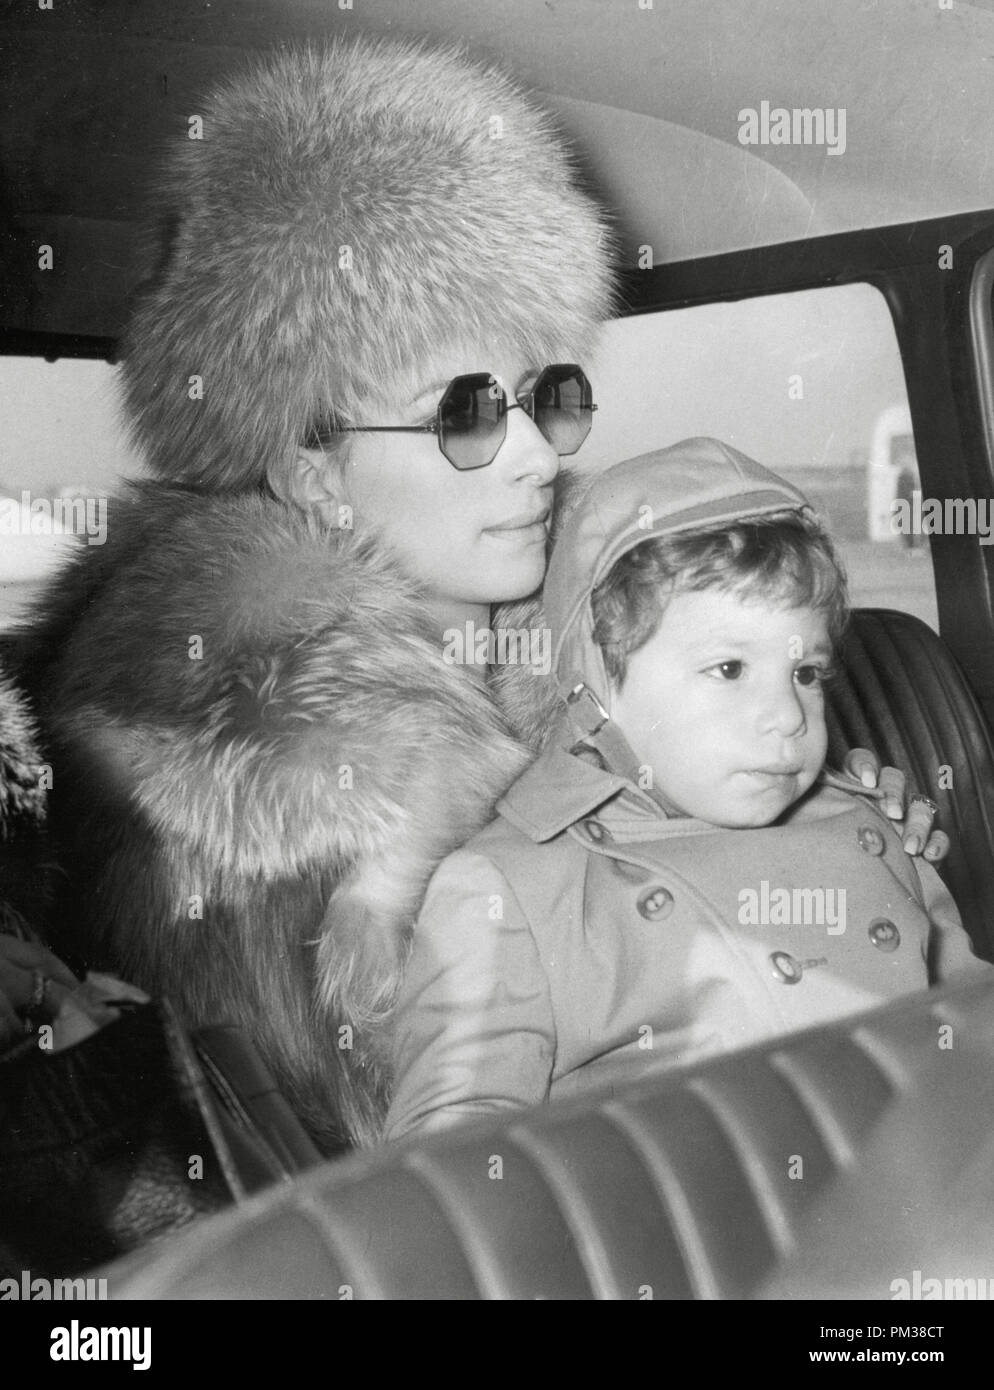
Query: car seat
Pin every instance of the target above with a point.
(901, 693)
(706, 1182)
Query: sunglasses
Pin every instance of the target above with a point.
(471, 418)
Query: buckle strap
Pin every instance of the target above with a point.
(586, 712)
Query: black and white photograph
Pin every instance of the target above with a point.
(497, 667)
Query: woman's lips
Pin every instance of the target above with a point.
(528, 527)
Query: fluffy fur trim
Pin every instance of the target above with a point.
(22, 798)
(25, 874)
(350, 212)
(260, 759)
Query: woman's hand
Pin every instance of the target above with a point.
(918, 835)
(27, 971)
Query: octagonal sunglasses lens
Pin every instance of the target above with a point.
(563, 407)
(472, 420)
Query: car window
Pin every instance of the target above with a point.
(809, 383)
(63, 451)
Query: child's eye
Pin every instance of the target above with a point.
(812, 675)
(726, 670)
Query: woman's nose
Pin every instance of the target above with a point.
(526, 452)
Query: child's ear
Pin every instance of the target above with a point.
(311, 479)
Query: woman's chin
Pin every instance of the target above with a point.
(523, 581)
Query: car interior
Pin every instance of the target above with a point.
(868, 273)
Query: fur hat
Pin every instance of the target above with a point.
(350, 212)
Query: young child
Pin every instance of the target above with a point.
(677, 875)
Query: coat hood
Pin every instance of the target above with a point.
(691, 485)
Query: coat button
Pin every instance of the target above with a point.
(654, 903)
(884, 935)
(785, 968)
(596, 832)
(870, 839)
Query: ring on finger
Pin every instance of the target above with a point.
(925, 801)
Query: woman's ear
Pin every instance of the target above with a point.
(310, 479)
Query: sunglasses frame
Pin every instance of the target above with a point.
(524, 400)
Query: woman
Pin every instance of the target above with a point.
(261, 749)
(260, 752)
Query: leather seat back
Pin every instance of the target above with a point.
(693, 1184)
(902, 694)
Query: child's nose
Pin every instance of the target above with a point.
(783, 712)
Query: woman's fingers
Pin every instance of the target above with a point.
(863, 765)
(918, 824)
(893, 783)
(918, 835)
(937, 847)
(46, 999)
(30, 978)
(31, 955)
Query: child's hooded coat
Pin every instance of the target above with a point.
(584, 932)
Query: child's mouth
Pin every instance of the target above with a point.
(773, 777)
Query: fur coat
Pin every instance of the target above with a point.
(26, 873)
(260, 756)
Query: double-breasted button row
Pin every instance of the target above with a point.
(655, 902)
(789, 971)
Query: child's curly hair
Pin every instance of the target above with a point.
(786, 558)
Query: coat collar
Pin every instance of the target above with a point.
(561, 788)
(558, 790)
